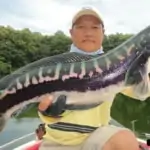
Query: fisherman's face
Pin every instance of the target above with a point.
(87, 33)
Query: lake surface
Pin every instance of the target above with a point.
(17, 128)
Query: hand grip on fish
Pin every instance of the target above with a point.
(56, 107)
(85, 81)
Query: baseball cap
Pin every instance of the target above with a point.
(87, 11)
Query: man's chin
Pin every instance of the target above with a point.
(89, 48)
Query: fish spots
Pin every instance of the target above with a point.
(49, 71)
(7, 92)
(142, 37)
(56, 73)
(108, 63)
(12, 91)
(27, 80)
(47, 79)
(72, 73)
(46, 75)
(19, 85)
(121, 58)
(91, 74)
(41, 78)
(96, 65)
(83, 71)
(34, 80)
(130, 49)
(3, 93)
(68, 75)
(64, 77)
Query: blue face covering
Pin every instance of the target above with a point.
(73, 48)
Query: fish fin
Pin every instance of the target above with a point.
(2, 121)
(89, 99)
(2, 93)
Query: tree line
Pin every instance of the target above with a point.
(20, 47)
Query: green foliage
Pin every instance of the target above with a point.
(127, 110)
(113, 40)
(20, 47)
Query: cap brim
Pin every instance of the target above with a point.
(86, 12)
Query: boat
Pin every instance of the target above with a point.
(30, 141)
(35, 143)
(26, 142)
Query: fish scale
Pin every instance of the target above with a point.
(85, 80)
(63, 58)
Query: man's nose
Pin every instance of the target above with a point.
(88, 32)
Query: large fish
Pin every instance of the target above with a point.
(85, 80)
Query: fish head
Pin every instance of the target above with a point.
(137, 76)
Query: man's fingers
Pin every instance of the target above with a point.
(46, 101)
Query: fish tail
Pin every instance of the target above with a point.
(138, 76)
(143, 88)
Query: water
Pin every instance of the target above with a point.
(24, 122)
(16, 128)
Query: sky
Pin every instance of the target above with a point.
(49, 16)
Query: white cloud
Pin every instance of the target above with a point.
(48, 16)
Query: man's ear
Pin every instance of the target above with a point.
(70, 31)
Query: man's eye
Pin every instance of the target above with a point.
(80, 26)
(95, 27)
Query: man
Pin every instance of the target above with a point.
(77, 130)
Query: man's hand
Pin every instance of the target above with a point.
(40, 131)
(49, 108)
(46, 101)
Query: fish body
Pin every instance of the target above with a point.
(85, 80)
